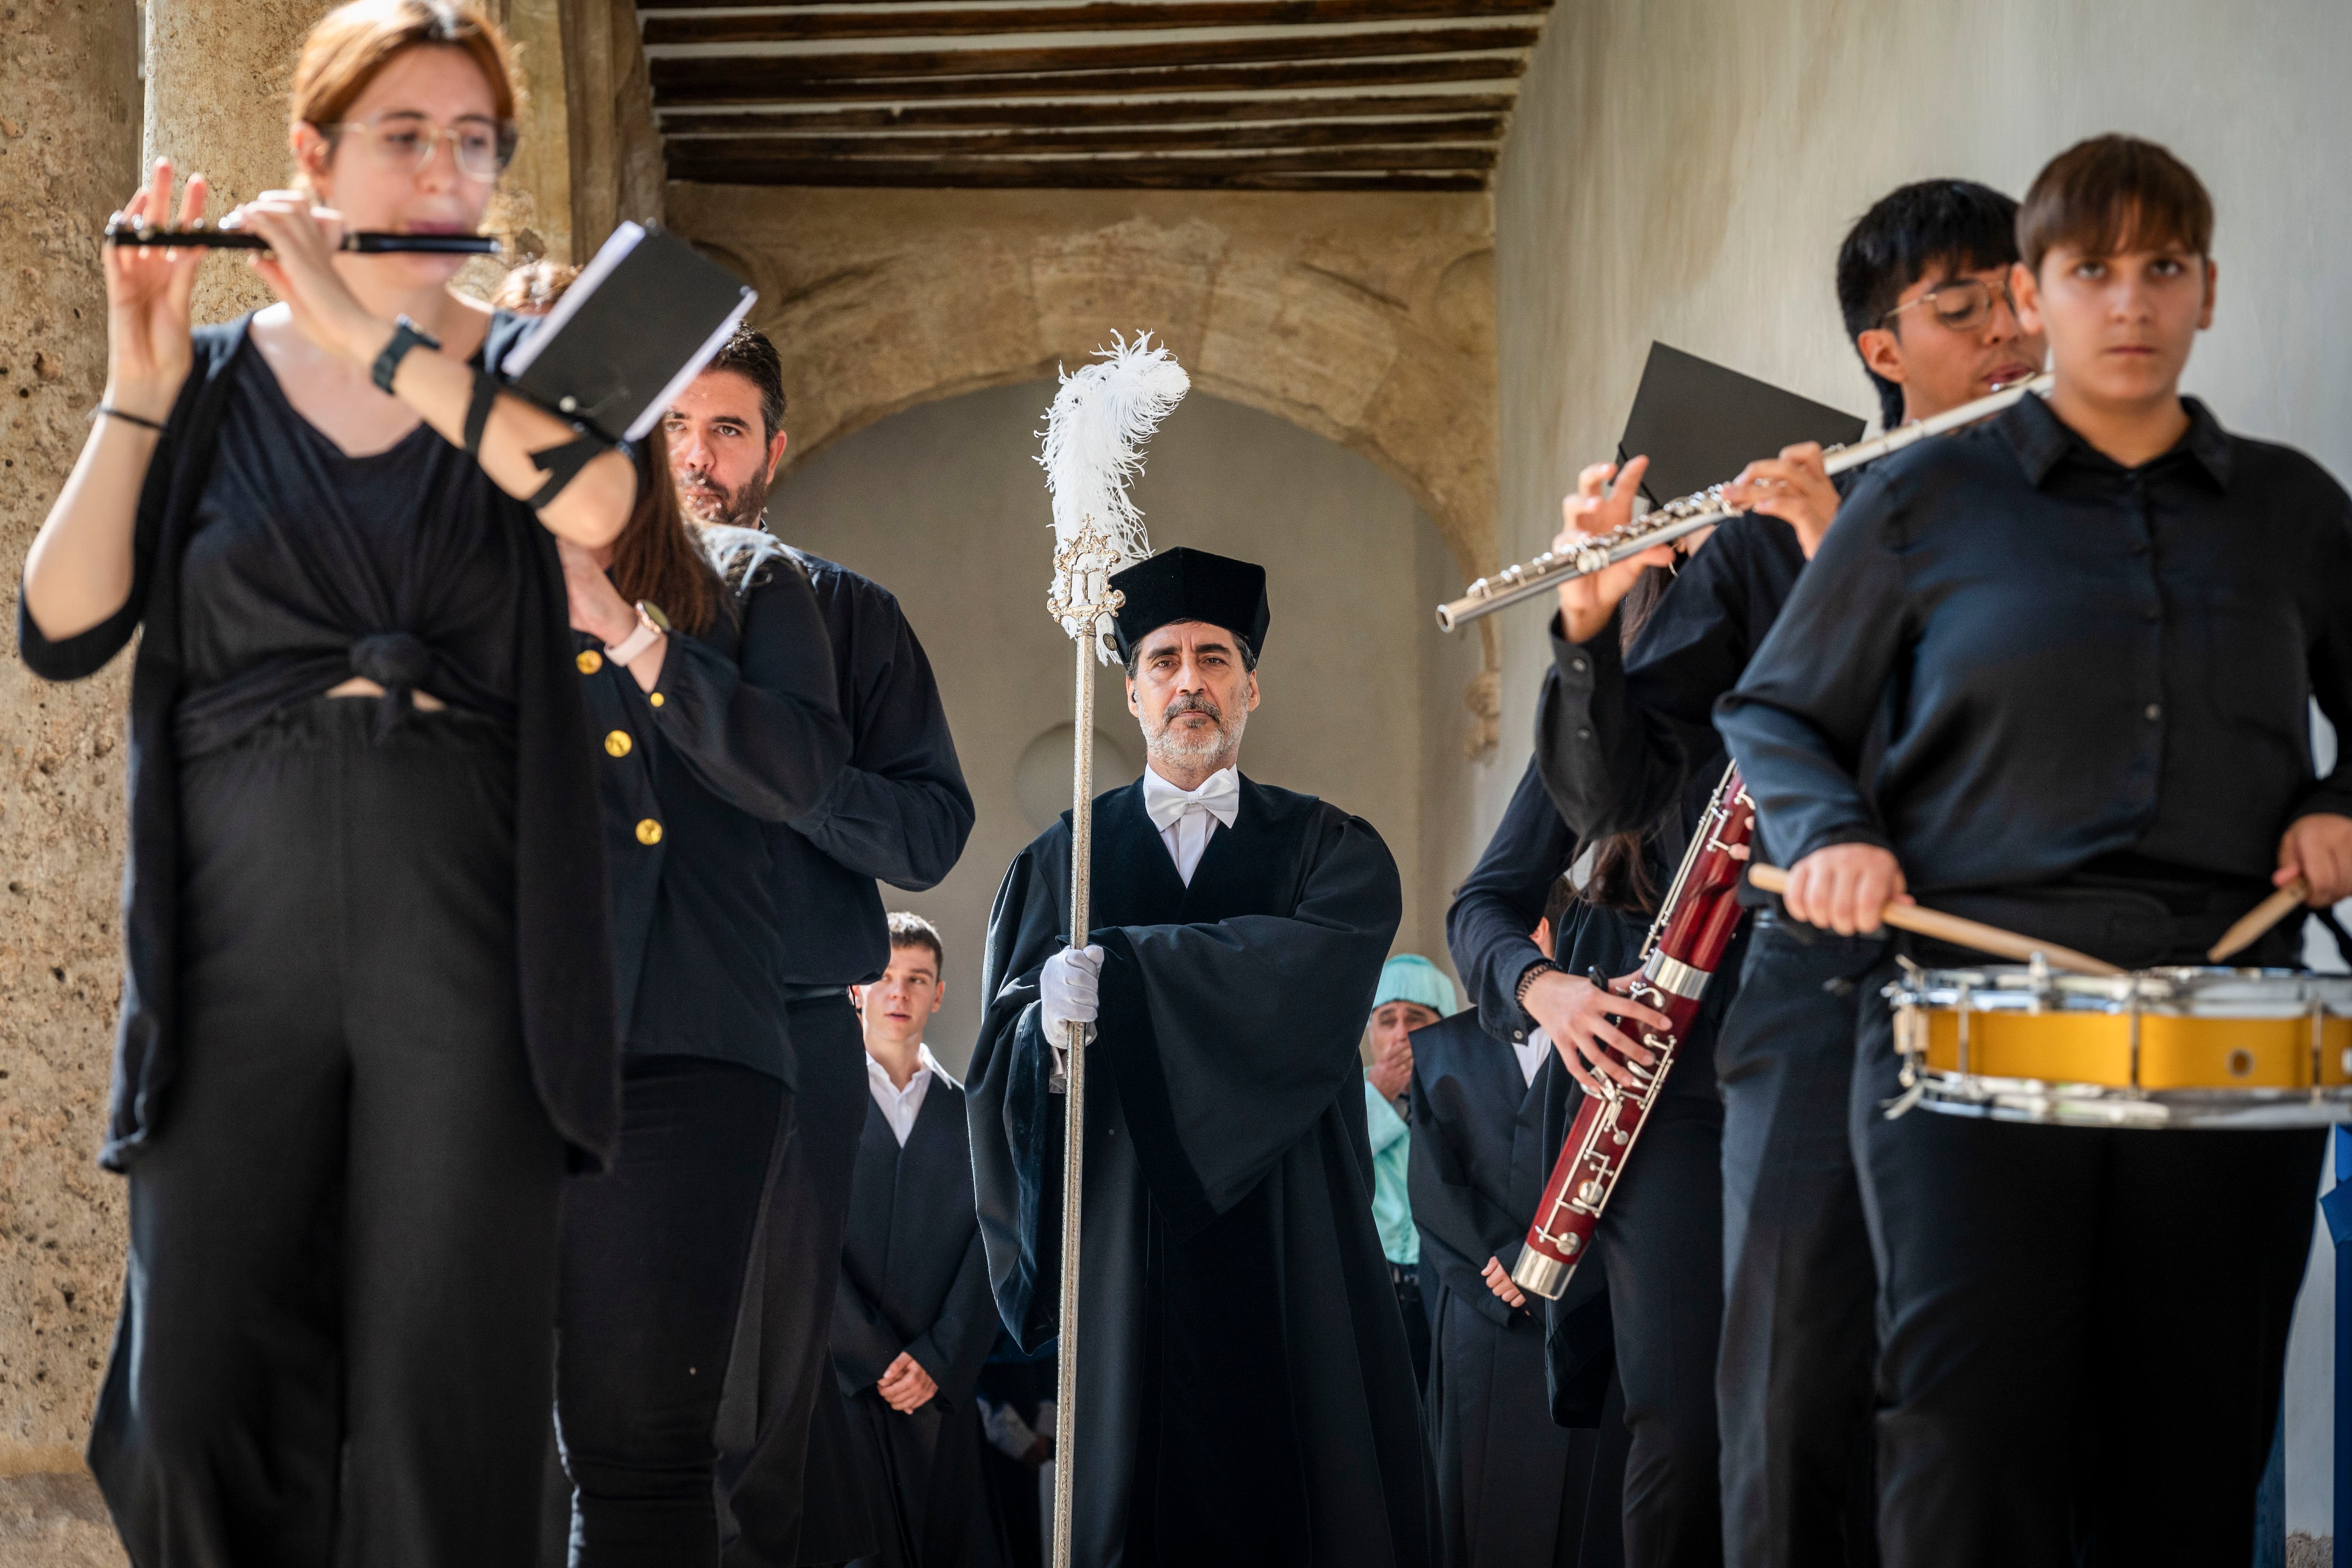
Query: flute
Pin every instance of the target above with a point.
(1688, 514)
(364, 243)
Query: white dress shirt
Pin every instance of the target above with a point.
(1531, 1052)
(901, 1106)
(1186, 818)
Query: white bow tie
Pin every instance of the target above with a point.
(1220, 795)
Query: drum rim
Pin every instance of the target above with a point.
(2055, 1103)
(2003, 986)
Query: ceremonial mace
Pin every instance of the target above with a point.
(1093, 432)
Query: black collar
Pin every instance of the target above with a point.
(2041, 439)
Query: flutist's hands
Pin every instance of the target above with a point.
(1844, 887)
(299, 268)
(2318, 848)
(1576, 1014)
(1597, 507)
(1794, 487)
(147, 290)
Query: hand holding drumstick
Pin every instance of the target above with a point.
(1840, 889)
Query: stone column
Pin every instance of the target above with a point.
(68, 152)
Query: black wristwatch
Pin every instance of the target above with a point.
(405, 335)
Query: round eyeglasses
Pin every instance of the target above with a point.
(1964, 305)
(407, 141)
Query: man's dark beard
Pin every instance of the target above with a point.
(707, 502)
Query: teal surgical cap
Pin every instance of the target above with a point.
(1410, 977)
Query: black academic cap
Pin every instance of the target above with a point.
(1186, 584)
(1701, 423)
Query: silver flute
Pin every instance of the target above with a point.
(1688, 514)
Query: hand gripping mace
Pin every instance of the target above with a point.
(1099, 420)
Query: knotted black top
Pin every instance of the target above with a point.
(308, 566)
(269, 567)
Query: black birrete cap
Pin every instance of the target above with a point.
(1186, 584)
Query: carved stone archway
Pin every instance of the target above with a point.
(1367, 319)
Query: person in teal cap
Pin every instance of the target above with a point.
(1414, 993)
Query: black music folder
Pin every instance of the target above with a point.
(638, 324)
(1701, 423)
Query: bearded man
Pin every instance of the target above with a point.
(1245, 1391)
(898, 812)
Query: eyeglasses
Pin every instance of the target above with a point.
(403, 142)
(1964, 305)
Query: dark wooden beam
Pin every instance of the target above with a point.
(919, 64)
(1104, 15)
(1150, 111)
(1077, 174)
(777, 83)
(1036, 171)
(1488, 129)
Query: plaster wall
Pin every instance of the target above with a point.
(1682, 170)
(944, 505)
(68, 141)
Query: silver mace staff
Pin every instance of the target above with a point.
(1082, 596)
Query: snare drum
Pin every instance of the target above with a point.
(2158, 1047)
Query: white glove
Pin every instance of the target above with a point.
(1067, 990)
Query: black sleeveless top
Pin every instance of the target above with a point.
(306, 566)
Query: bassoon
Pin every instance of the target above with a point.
(1695, 923)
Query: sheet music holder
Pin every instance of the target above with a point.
(641, 320)
(1701, 423)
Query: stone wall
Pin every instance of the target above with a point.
(1683, 169)
(68, 151)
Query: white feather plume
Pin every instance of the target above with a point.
(1094, 438)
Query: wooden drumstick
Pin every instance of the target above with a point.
(1958, 932)
(2258, 920)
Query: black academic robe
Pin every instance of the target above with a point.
(914, 1277)
(1514, 1486)
(1245, 1391)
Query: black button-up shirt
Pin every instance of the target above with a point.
(2076, 663)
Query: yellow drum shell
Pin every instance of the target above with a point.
(2175, 1052)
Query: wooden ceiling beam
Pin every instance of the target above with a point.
(1105, 16)
(1080, 175)
(923, 64)
(1316, 160)
(1149, 112)
(777, 84)
(1473, 130)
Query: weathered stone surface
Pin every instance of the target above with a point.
(69, 149)
(1367, 319)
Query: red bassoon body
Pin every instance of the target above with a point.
(1695, 926)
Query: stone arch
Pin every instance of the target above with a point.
(1368, 319)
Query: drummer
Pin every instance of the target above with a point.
(2094, 625)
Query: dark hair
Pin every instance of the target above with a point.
(748, 354)
(1957, 223)
(656, 556)
(913, 931)
(1556, 904)
(2112, 192)
(1620, 878)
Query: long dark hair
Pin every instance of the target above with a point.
(1620, 878)
(656, 557)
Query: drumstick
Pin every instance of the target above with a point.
(2254, 922)
(1958, 932)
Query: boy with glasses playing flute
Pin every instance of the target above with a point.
(1923, 285)
(2091, 629)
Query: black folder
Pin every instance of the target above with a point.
(1700, 423)
(638, 324)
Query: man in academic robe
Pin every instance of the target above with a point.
(900, 812)
(1528, 1422)
(1244, 1394)
(912, 1316)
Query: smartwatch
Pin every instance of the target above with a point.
(652, 627)
(405, 335)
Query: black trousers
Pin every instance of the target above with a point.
(788, 1470)
(1414, 1308)
(1793, 1380)
(1661, 1241)
(2086, 1329)
(654, 1253)
(336, 1332)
